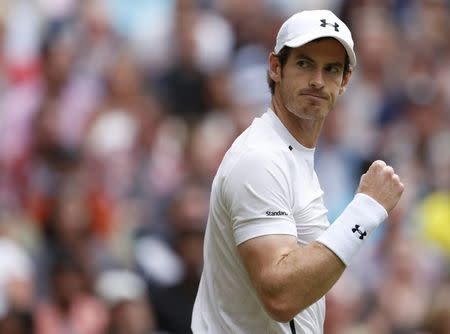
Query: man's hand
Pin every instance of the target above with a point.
(382, 184)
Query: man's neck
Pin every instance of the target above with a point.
(305, 131)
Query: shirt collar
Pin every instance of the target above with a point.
(270, 117)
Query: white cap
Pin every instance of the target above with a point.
(308, 25)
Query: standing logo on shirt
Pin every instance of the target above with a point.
(276, 213)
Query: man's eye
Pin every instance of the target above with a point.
(334, 69)
(303, 63)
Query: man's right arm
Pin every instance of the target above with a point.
(289, 277)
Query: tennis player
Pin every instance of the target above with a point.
(270, 253)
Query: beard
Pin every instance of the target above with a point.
(305, 107)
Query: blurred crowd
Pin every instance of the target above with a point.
(114, 116)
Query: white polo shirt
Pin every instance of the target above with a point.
(266, 184)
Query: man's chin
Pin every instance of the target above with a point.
(310, 116)
(311, 113)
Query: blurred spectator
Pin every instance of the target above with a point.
(98, 38)
(209, 141)
(173, 301)
(17, 274)
(73, 91)
(438, 315)
(339, 186)
(71, 307)
(183, 85)
(46, 164)
(345, 305)
(126, 295)
(402, 296)
(132, 317)
(16, 323)
(70, 229)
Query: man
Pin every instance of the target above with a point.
(270, 252)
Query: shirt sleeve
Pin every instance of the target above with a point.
(259, 196)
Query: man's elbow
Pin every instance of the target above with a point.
(280, 309)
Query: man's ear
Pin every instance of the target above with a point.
(274, 67)
(345, 81)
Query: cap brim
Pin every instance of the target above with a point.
(302, 40)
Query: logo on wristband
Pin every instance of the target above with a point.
(362, 234)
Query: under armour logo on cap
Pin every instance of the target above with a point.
(324, 24)
(362, 234)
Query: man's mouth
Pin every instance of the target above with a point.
(313, 95)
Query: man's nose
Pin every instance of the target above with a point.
(316, 80)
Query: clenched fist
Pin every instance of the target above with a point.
(382, 184)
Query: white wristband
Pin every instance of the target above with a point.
(346, 235)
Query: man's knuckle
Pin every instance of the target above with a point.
(388, 171)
